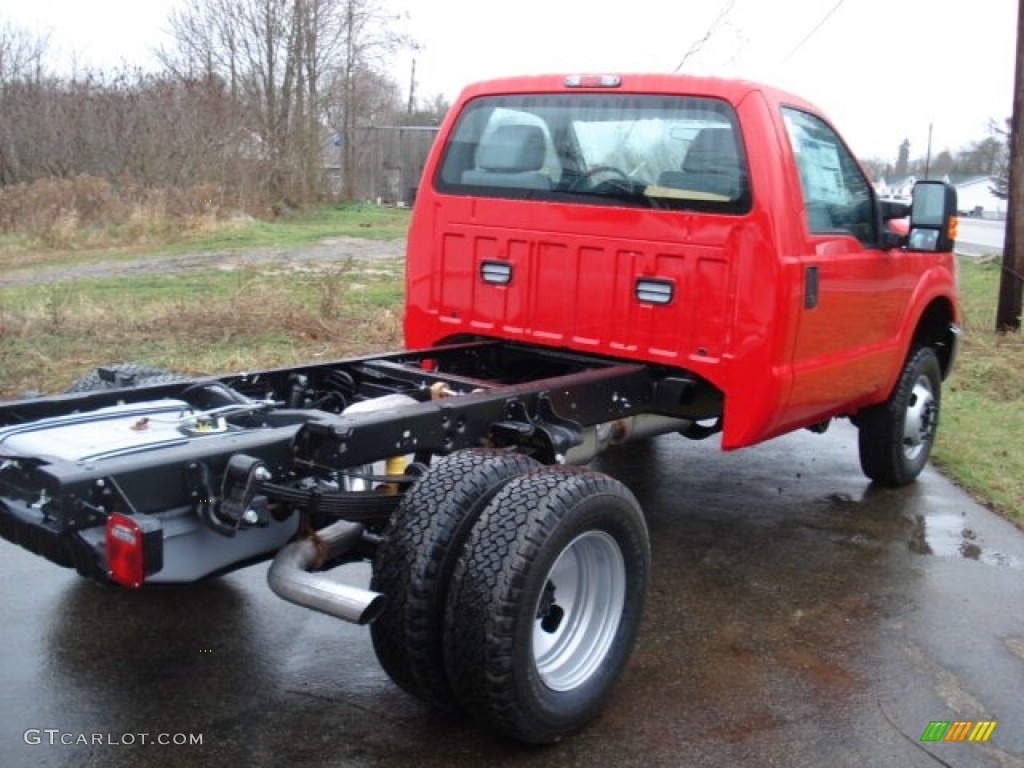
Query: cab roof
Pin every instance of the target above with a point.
(730, 90)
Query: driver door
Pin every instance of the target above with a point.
(853, 291)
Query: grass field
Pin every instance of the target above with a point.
(207, 322)
(981, 436)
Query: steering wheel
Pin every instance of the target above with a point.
(589, 179)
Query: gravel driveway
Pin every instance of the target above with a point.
(330, 249)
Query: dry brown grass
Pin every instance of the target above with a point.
(89, 212)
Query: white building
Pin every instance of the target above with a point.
(974, 194)
(974, 198)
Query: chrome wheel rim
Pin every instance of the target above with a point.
(579, 610)
(920, 421)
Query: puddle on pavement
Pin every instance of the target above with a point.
(950, 536)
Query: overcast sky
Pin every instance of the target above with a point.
(883, 70)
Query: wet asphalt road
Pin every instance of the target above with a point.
(977, 237)
(798, 617)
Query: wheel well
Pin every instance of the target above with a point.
(934, 329)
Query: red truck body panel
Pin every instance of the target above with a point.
(739, 316)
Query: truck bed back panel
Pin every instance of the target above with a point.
(660, 301)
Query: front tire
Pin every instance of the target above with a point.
(895, 437)
(545, 604)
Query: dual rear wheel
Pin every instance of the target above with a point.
(515, 591)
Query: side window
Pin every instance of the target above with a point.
(837, 197)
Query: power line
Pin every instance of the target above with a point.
(811, 33)
(696, 47)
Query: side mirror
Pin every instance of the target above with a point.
(894, 223)
(933, 221)
(894, 210)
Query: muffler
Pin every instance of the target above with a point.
(290, 579)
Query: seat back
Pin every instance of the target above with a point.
(511, 157)
(712, 164)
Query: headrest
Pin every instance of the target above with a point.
(713, 151)
(513, 148)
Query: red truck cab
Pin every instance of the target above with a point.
(722, 227)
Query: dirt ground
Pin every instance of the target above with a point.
(333, 248)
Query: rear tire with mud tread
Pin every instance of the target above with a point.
(546, 602)
(413, 565)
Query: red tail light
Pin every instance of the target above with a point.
(134, 548)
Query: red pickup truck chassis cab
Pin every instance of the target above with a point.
(592, 260)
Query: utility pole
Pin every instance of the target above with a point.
(412, 88)
(1011, 281)
(928, 156)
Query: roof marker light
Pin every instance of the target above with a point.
(593, 81)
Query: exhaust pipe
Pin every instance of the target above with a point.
(600, 436)
(290, 579)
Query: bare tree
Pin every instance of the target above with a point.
(22, 66)
(22, 53)
(253, 95)
(248, 46)
(369, 37)
(996, 157)
(301, 68)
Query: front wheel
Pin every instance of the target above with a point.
(896, 436)
(546, 602)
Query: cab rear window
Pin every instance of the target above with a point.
(671, 152)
